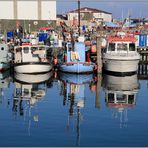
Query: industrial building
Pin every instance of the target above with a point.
(28, 9)
(89, 14)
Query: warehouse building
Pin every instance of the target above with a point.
(28, 9)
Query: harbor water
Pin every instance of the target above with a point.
(73, 110)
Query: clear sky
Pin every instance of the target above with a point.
(119, 8)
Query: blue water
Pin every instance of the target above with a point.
(47, 121)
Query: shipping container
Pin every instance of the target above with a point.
(42, 36)
(9, 35)
(142, 40)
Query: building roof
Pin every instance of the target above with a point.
(86, 9)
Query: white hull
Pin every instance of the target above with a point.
(115, 83)
(30, 78)
(32, 68)
(120, 65)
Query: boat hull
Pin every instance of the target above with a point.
(32, 67)
(76, 78)
(32, 78)
(77, 68)
(120, 66)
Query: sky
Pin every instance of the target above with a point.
(119, 8)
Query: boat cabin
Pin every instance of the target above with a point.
(120, 99)
(29, 53)
(121, 44)
(77, 54)
(32, 92)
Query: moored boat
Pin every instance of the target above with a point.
(75, 60)
(5, 57)
(121, 56)
(32, 59)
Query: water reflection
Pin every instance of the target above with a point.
(4, 85)
(29, 89)
(120, 94)
(73, 90)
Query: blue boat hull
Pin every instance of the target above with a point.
(75, 78)
(77, 68)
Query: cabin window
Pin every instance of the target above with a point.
(2, 48)
(131, 47)
(33, 49)
(69, 48)
(121, 98)
(18, 49)
(130, 99)
(110, 98)
(26, 91)
(111, 47)
(26, 49)
(122, 47)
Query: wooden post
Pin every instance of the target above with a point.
(99, 57)
(97, 101)
(99, 71)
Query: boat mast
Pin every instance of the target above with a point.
(79, 17)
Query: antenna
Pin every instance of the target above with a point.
(79, 16)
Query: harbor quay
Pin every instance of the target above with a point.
(78, 78)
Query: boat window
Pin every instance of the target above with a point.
(26, 49)
(130, 99)
(131, 47)
(110, 98)
(122, 47)
(41, 48)
(2, 48)
(69, 47)
(33, 49)
(26, 91)
(121, 98)
(18, 49)
(111, 47)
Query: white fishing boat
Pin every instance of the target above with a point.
(32, 59)
(121, 56)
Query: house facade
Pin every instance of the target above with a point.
(90, 14)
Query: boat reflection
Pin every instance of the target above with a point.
(28, 91)
(4, 84)
(120, 94)
(73, 90)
